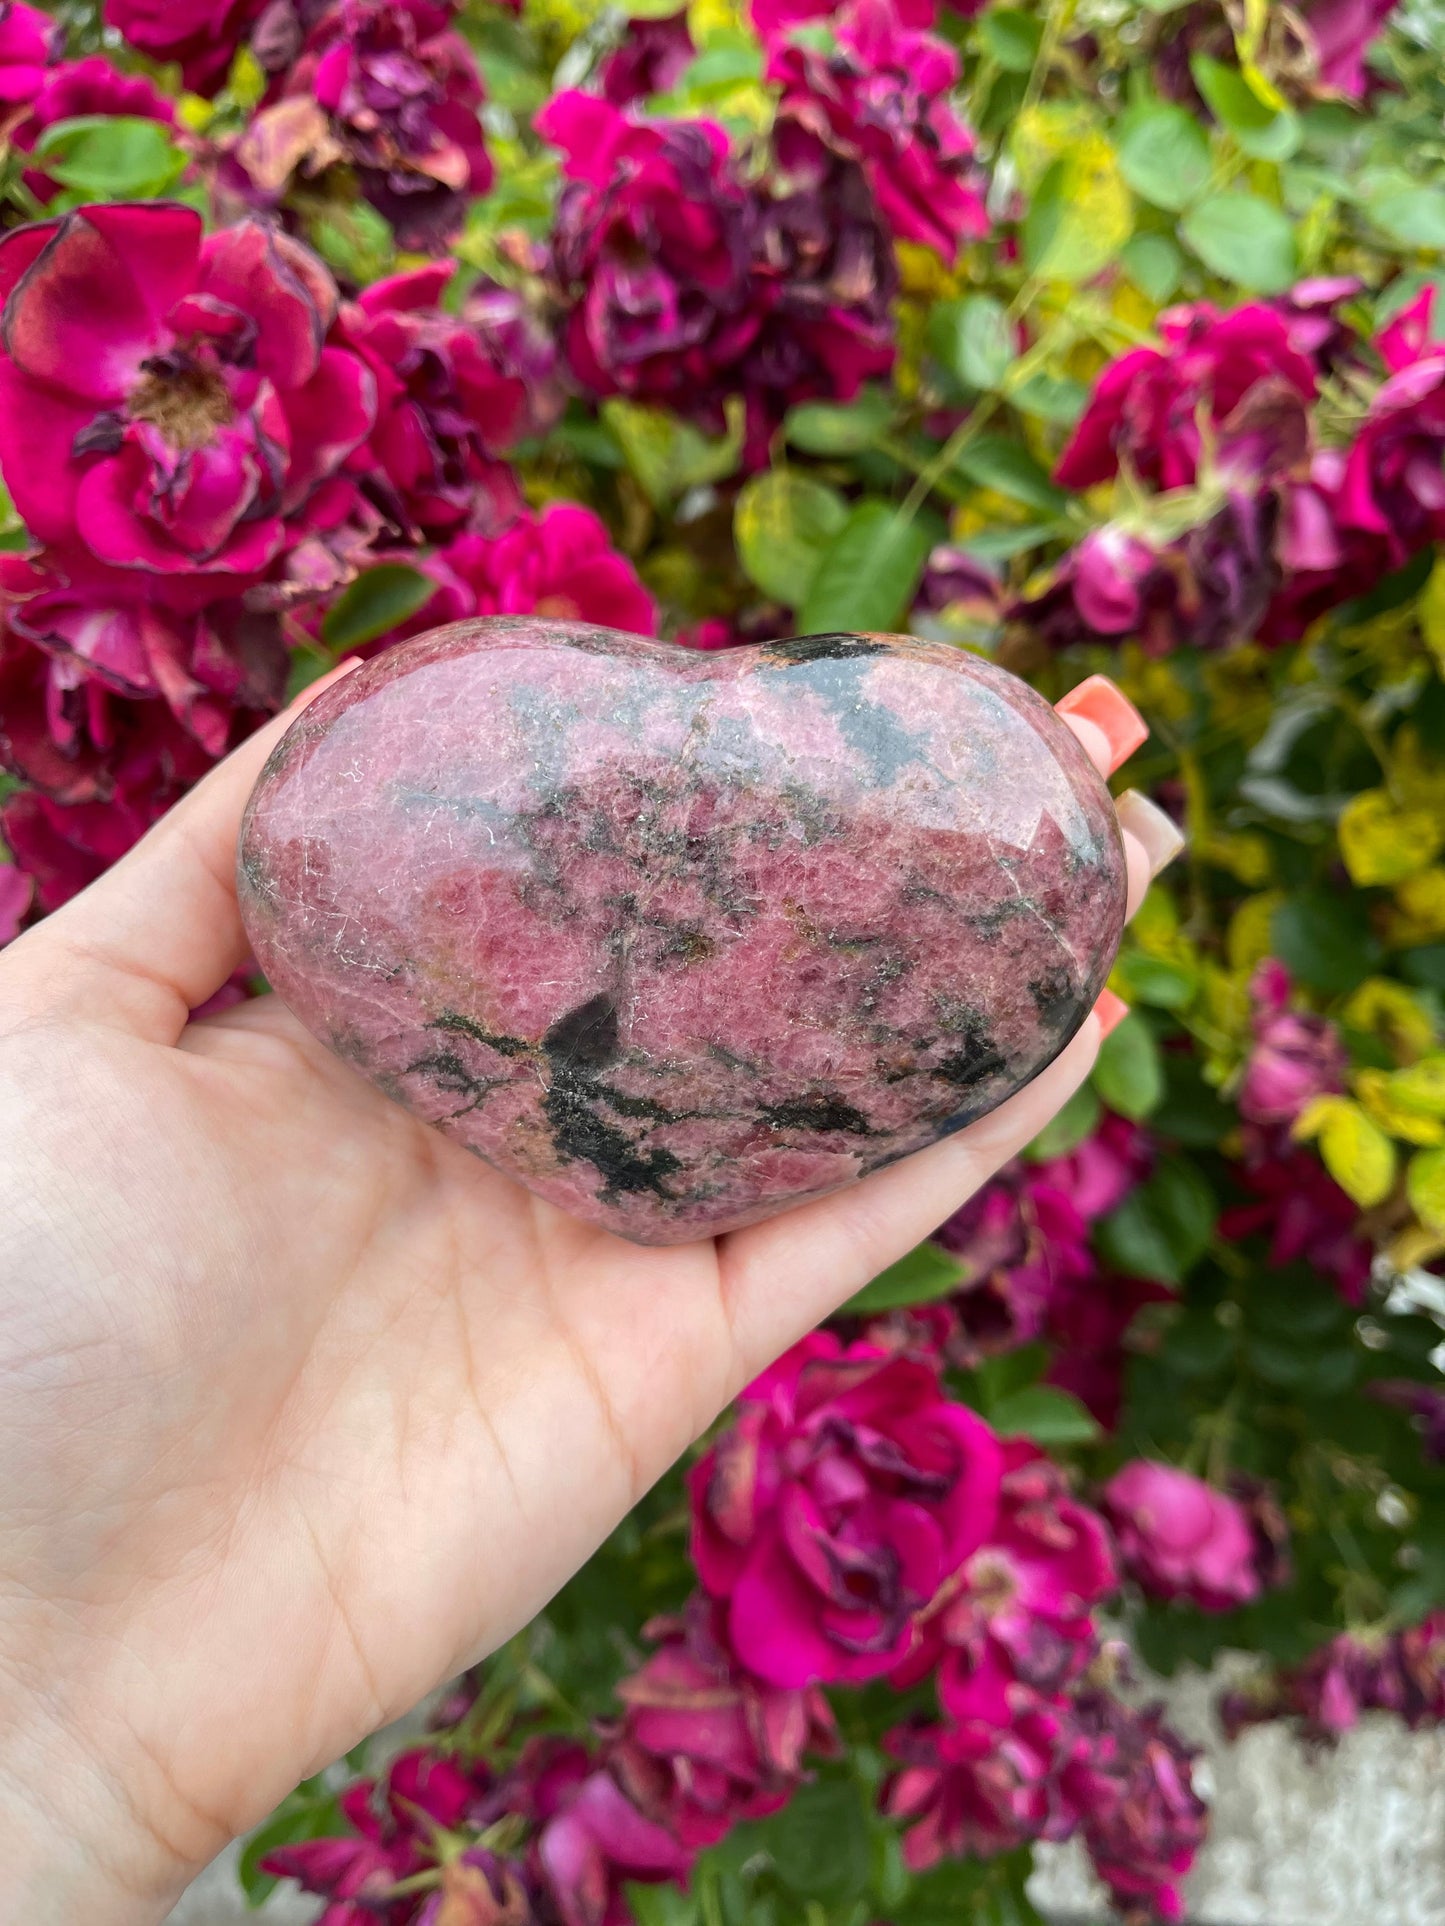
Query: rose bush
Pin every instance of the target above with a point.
(1089, 339)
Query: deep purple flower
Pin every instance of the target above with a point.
(652, 56)
(1145, 1825)
(882, 99)
(1426, 1405)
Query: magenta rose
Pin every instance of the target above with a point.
(1341, 33)
(1145, 409)
(591, 1839)
(1181, 1538)
(1301, 1210)
(30, 43)
(202, 35)
(849, 1488)
(560, 563)
(445, 408)
(652, 253)
(652, 56)
(882, 99)
(401, 90)
(168, 408)
(17, 893)
(65, 846)
(1296, 1057)
(703, 1745)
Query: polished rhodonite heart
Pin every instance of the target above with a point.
(678, 940)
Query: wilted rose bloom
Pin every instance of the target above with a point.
(478, 1888)
(167, 408)
(703, 1745)
(394, 1832)
(76, 91)
(1341, 33)
(591, 1838)
(1304, 1214)
(1393, 484)
(652, 252)
(520, 345)
(445, 409)
(399, 89)
(882, 98)
(1145, 408)
(826, 278)
(1144, 1832)
(1295, 1058)
(1312, 310)
(202, 35)
(973, 1790)
(1180, 1537)
(1018, 1612)
(652, 56)
(847, 1490)
(560, 563)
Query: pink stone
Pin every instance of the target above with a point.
(678, 940)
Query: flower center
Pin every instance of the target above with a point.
(186, 401)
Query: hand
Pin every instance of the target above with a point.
(302, 1408)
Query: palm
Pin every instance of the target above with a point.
(307, 1407)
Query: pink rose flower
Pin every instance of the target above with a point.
(202, 35)
(1342, 32)
(849, 1488)
(1144, 411)
(64, 846)
(168, 407)
(1180, 1537)
(704, 1746)
(30, 42)
(445, 408)
(1295, 1058)
(592, 1839)
(560, 563)
(882, 99)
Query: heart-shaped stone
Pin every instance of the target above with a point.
(679, 940)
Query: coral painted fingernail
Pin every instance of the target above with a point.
(1111, 1011)
(1158, 835)
(1097, 701)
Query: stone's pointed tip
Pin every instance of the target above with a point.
(1098, 701)
(1111, 1011)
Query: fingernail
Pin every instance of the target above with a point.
(1111, 1011)
(1097, 701)
(1158, 833)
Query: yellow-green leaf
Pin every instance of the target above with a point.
(1425, 1187)
(1384, 844)
(1374, 1090)
(1356, 1152)
(1422, 1085)
(782, 524)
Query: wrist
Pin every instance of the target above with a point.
(76, 1847)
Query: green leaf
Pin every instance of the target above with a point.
(1323, 940)
(668, 455)
(999, 462)
(782, 524)
(1055, 398)
(1157, 981)
(839, 427)
(1244, 240)
(1197, 1345)
(820, 1842)
(662, 1905)
(1154, 265)
(1045, 1414)
(867, 576)
(1162, 1229)
(111, 158)
(1164, 156)
(1260, 130)
(974, 340)
(1081, 214)
(380, 598)
(1078, 1119)
(1128, 1073)
(1413, 216)
(1011, 37)
(923, 1275)
(1425, 1187)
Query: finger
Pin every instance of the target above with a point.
(781, 1277)
(160, 932)
(1151, 842)
(1105, 721)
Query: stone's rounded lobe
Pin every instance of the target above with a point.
(678, 940)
